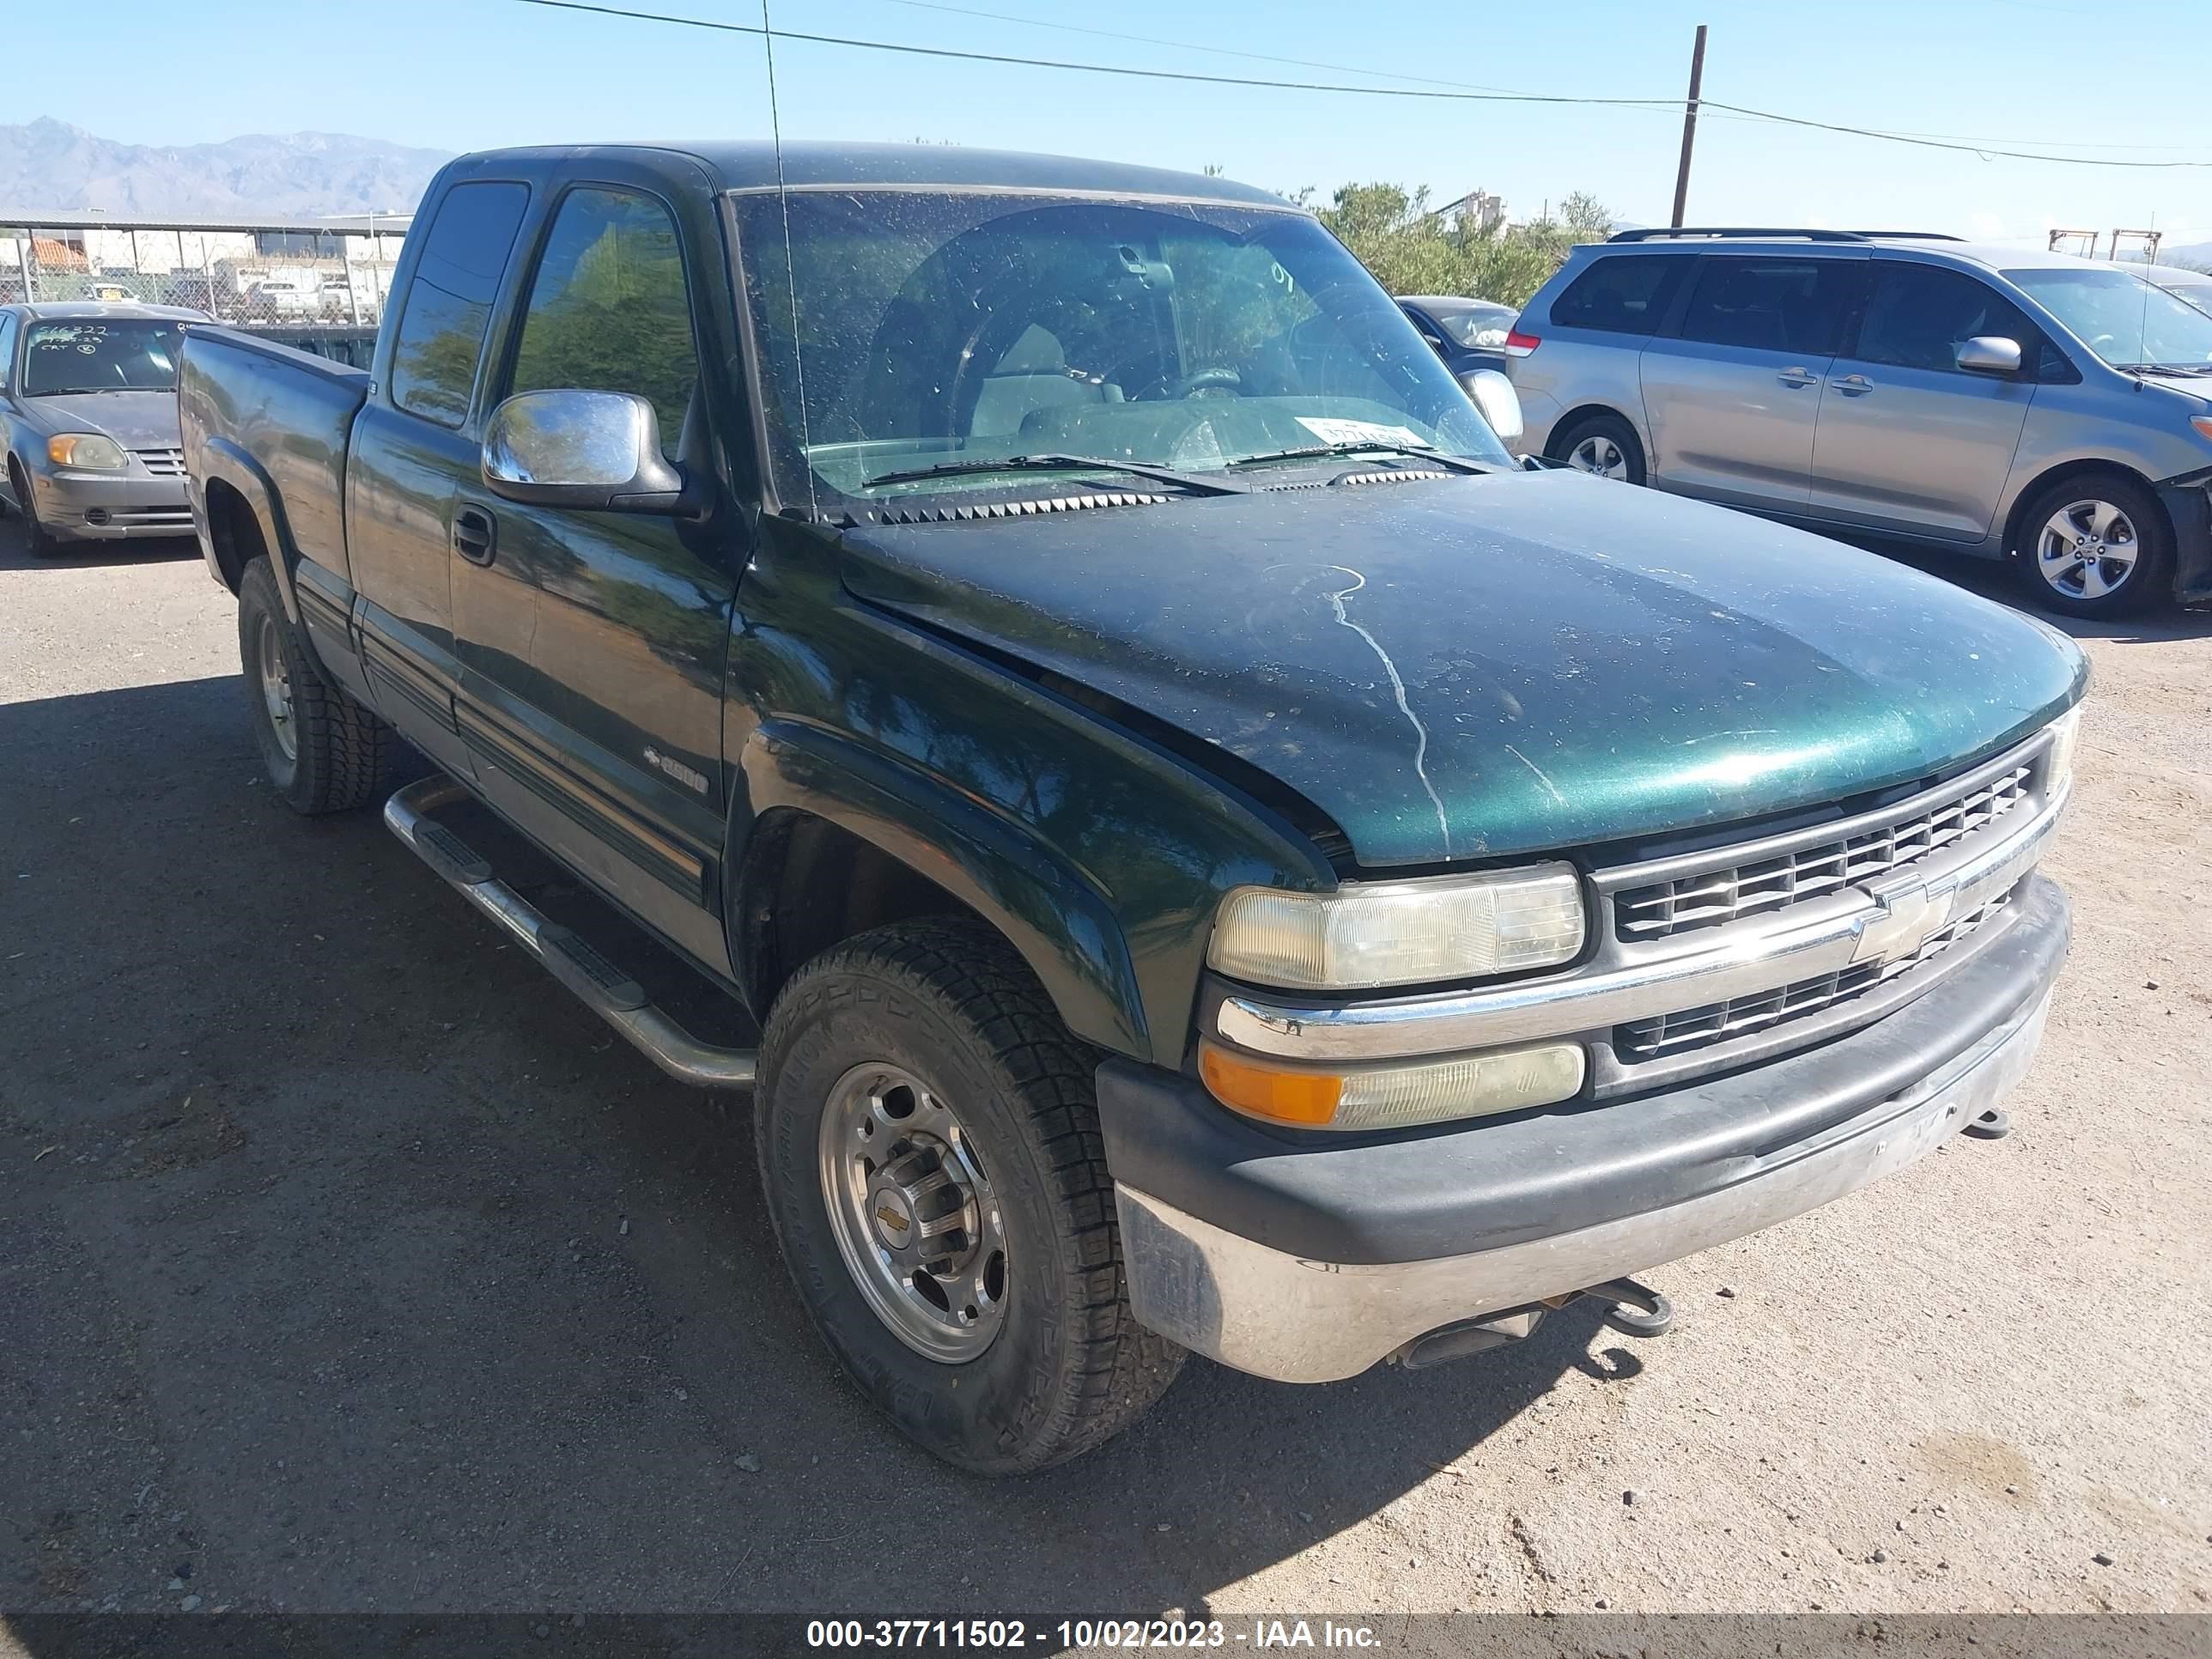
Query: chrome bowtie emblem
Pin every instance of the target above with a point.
(1907, 919)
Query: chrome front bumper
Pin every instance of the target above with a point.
(1299, 1320)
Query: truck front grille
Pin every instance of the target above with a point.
(1712, 898)
(1677, 1033)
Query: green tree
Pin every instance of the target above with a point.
(1413, 249)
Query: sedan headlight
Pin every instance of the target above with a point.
(88, 451)
(1429, 931)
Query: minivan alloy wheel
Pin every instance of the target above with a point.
(912, 1213)
(1599, 454)
(2086, 549)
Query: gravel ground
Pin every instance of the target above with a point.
(344, 1265)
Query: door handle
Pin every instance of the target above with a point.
(1853, 385)
(1798, 378)
(476, 535)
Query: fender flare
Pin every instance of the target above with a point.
(1056, 919)
(222, 459)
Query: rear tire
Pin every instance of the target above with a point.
(2066, 526)
(1604, 445)
(930, 1046)
(324, 751)
(39, 542)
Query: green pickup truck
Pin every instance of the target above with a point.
(1222, 859)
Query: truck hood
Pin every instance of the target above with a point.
(1495, 665)
(135, 420)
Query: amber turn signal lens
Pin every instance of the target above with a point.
(1302, 1099)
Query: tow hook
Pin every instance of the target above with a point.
(1635, 1308)
(1994, 1124)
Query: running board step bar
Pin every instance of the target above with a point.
(609, 991)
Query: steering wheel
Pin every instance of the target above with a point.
(2102, 341)
(1217, 379)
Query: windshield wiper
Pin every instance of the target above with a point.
(2167, 369)
(1191, 481)
(1328, 452)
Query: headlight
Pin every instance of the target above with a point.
(86, 450)
(2064, 731)
(1393, 1097)
(1401, 932)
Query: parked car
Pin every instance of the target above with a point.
(2185, 283)
(2007, 405)
(1469, 335)
(1222, 858)
(88, 421)
(1466, 333)
(286, 295)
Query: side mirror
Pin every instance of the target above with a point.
(1500, 403)
(1990, 354)
(588, 449)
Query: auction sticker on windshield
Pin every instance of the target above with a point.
(1362, 432)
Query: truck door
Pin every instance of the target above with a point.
(593, 644)
(1733, 398)
(413, 451)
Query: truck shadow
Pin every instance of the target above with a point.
(357, 1268)
(153, 551)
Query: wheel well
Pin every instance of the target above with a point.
(2017, 517)
(234, 531)
(1566, 424)
(808, 884)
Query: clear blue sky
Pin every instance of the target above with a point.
(2066, 74)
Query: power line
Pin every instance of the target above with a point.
(1129, 71)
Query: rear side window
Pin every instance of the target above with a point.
(608, 309)
(1918, 316)
(7, 350)
(1771, 305)
(1621, 292)
(441, 330)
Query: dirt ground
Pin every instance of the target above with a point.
(345, 1265)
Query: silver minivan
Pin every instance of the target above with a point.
(2050, 411)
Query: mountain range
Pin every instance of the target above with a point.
(52, 165)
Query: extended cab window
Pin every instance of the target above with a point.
(608, 310)
(1771, 305)
(1918, 316)
(441, 330)
(1621, 292)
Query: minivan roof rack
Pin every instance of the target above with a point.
(1661, 233)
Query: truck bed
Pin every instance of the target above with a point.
(288, 413)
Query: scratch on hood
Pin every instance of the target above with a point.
(1398, 688)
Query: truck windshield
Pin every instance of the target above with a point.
(2128, 322)
(906, 329)
(99, 355)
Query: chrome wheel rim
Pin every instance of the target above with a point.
(2086, 549)
(912, 1213)
(1600, 455)
(276, 690)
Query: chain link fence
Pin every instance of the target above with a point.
(322, 285)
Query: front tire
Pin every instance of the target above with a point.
(2096, 545)
(928, 1140)
(1603, 445)
(323, 751)
(39, 542)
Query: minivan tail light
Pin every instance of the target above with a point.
(1518, 345)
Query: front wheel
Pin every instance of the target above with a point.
(1604, 445)
(39, 542)
(928, 1140)
(2096, 545)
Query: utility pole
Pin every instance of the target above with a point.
(1689, 126)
